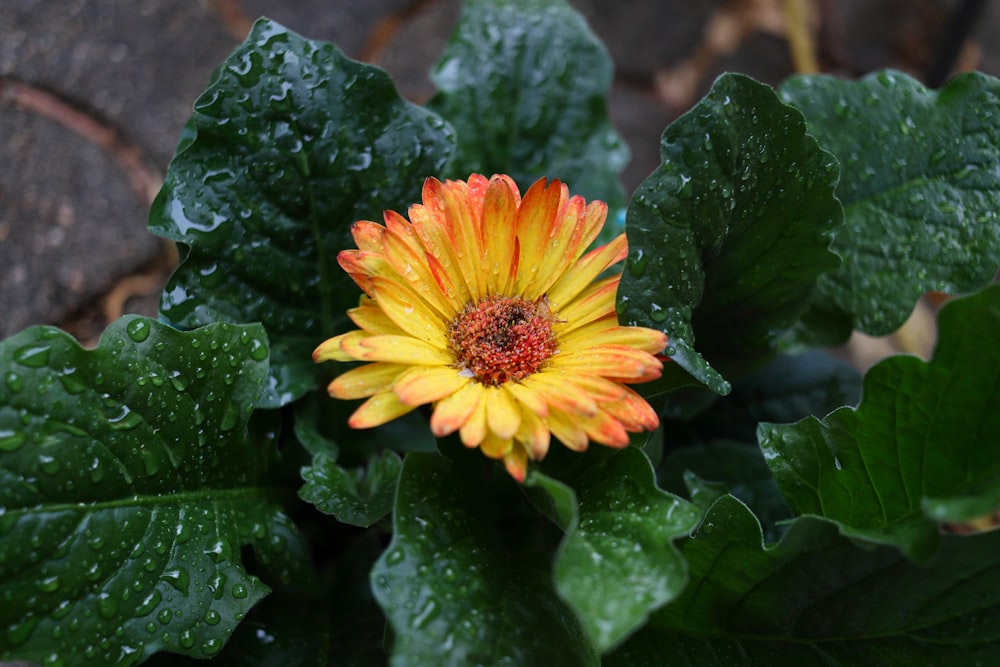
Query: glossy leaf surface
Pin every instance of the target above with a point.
(920, 448)
(920, 185)
(728, 236)
(291, 143)
(522, 106)
(129, 486)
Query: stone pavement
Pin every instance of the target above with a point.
(93, 94)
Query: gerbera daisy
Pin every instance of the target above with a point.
(483, 304)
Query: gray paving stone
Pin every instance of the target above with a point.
(70, 224)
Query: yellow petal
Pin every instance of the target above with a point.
(409, 312)
(373, 319)
(534, 433)
(377, 410)
(535, 219)
(583, 273)
(560, 250)
(496, 447)
(397, 350)
(465, 239)
(634, 413)
(424, 384)
(500, 232)
(605, 429)
(474, 429)
(593, 303)
(365, 380)
(596, 387)
(596, 333)
(503, 415)
(569, 430)
(332, 348)
(528, 397)
(516, 463)
(452, 412)
(611, 361)
(434, 234)
(407, 255)
(558, 393)
(368, 235)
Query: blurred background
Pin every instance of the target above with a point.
(93, 94)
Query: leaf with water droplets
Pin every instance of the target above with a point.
(920, 185)
(291, 143)
(728, 236)
(526, 89)
(453, 584)
(920, 449)
(617, 563)
(817, 599)
(358, 496)
(128, 491)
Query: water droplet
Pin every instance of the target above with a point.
(14, 381)
(164, 616)
(11, 440)
(107, 605)
(179, 381)
(230, 418)
(239, 591)
(178, 578)
(186, 639)
(148, 604)
(211, 647)
(48, 584)
(48, 464)
(213, 617)
(138, 330)
(19, 633)
(33, 356)
(258, 350)
(125, 419)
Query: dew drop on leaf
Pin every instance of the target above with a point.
(14, 381)
(32, 356)
(11, 440)
(239, 591)
(138, 330)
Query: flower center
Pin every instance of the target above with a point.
(502, 339)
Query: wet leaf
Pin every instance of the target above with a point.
(128, 486)
(525, 84)
(358, 496)
(816, 599)
(290, 144)
(455, 592)
(728, 236)
(920, 185)
(618, 563)
(920, 448)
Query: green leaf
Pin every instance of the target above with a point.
(455, 592)
(358, 496)
(555, 500)
(128, 486)
(617, 564)
(727, 237)
(786, 390)
(525, 84)
(920, 187)
(921, 447)
(715, 469)
(817, 600)
(287, 629)
(291, 143)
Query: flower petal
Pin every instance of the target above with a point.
(496, 447)
(378, 410)
(612, 361)
(409, 312)
(558, 393)
(593, 303)
(582, 274)
(426, 384)
(373, 319)
(451, 413)
(397, 350)
(605, 429)
(534, 433)
(634, 413)
(503, 415)
(474, 429)
(516, 463)
(499, 227)
(535, 220)
(569, 430)
(332, 348)
(528, 397)
(366, 380)
(407, 255)
(598, 333)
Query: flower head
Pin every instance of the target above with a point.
(485, 305)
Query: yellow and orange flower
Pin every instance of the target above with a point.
(484, 304)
